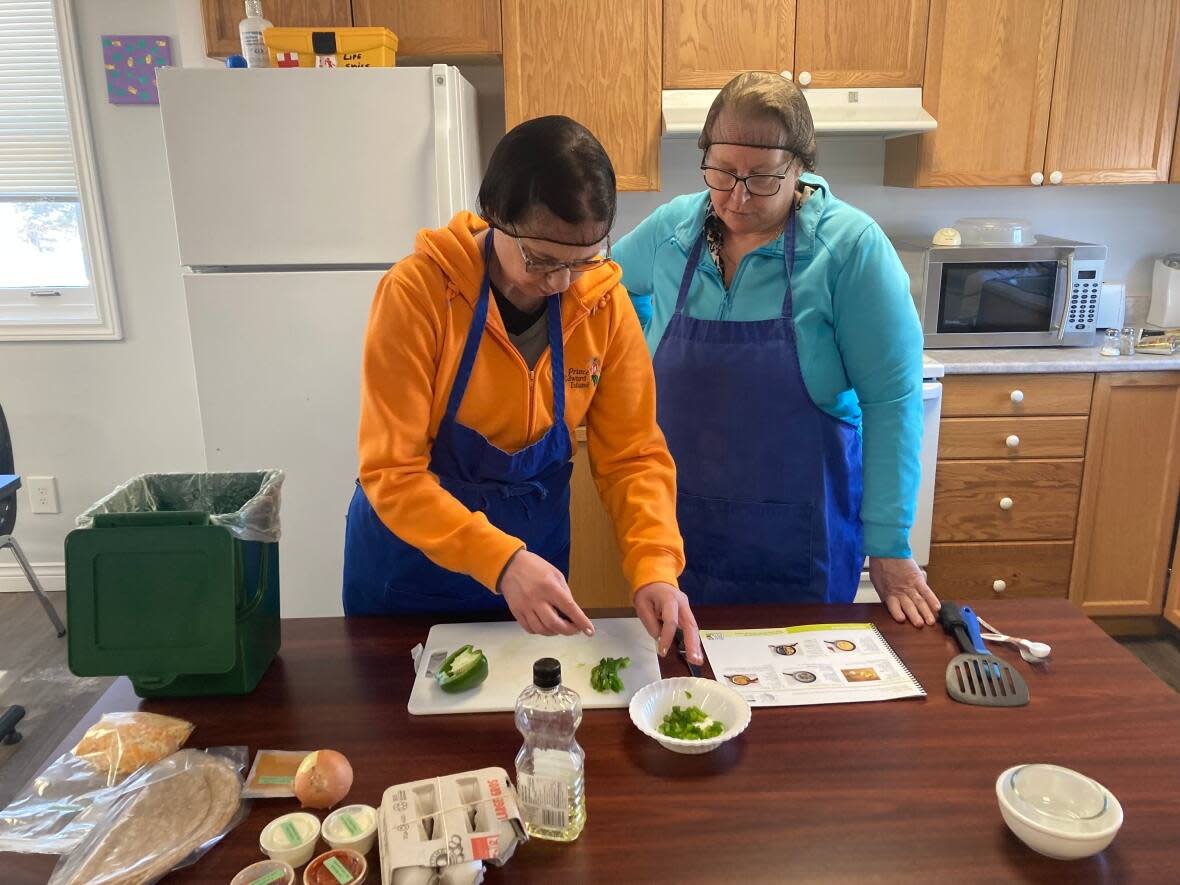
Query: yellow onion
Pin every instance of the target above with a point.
(322, 779)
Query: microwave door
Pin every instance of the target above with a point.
(1062, 294)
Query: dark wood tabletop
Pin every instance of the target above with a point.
(893, 791)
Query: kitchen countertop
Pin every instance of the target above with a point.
(1008, 360)
(893, 791)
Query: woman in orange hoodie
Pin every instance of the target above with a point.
(485, 349)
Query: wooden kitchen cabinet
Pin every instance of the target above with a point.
(597, 61)
(1127, 515)
(1056, 437)
(1172, 601)
(1006, 501)
(596, 572)
(1018, 570)
(222, 17)
(1116, 91)
(1045, 92)
(860, 42)
(427, 29)
(708, 42)
(1175, 176)
(1016, 396)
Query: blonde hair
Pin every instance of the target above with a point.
(761, 109)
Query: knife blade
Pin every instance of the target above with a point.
(693, 669)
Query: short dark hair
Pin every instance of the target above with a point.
(552, 162)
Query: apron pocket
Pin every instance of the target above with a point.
(747, 540)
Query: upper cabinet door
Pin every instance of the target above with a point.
(988, 82)
(438, 31)
(1176, 156)
(860, 42)
(708, 42)
(597, 61)
(1115, 93)
(222, 18)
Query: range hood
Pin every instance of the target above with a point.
(885, 112)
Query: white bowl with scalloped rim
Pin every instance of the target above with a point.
(721, 703)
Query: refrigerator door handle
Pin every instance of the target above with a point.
(444, 114)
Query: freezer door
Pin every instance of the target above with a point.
(277, 359)
(280, 167)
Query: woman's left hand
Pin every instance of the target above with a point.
(903, 588)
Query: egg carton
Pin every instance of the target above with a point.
(445, 828)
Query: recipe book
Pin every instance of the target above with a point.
(809, 664)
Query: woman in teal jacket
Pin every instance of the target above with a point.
(788, 360)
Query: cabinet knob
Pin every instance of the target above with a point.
(1017, 396)
(1037, 178)
(999, 586)
(805, 78)
(1006, 503)
(787, 75)
(1012, 441)
(1055, 177)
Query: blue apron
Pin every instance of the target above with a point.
(524, 493)
(769, 485)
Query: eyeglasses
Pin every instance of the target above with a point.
(763, 184)
(547, 266)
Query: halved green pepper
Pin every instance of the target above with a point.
(464, 668)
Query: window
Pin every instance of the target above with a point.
(55, 278)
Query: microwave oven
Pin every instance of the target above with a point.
(1038, 295)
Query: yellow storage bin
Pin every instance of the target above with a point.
(331, 47)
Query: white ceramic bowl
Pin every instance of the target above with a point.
(1061, 820)
(360, 836)
(721, 703)
(277, 843)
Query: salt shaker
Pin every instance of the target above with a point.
(1111, 344)
(1128, 341)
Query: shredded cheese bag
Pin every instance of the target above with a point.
(121, 743)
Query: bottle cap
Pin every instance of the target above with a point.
(235, 61)
(547, 673)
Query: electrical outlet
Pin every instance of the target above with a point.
(42, 494)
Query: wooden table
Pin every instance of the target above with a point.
(902, 790)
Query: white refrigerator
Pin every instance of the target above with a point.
(294, 190)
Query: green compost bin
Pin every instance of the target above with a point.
(173, 581)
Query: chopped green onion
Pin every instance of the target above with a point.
(685, 723)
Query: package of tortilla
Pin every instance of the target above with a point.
(272, 776)
(166, 816)
(120, 743)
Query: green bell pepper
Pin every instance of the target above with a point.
(464, 669)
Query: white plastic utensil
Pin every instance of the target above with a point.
(1033, 652)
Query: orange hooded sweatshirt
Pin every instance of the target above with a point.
(417, 328)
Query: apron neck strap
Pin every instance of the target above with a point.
(474, 334)
(557, 357)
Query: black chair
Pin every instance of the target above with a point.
(9, 483)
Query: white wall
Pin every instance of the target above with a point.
(1137, 222)
(95, 413)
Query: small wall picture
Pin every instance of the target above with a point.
(131, 63)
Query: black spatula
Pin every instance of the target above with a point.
(977, 676)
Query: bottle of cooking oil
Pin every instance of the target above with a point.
(550, 783)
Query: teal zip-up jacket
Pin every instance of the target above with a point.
(859, 339)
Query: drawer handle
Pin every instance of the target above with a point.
(999, 586)
(1006, 503)
(1012, 441)
(1017, 396)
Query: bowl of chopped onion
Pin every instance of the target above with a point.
(689, 714)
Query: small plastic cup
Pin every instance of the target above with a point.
(353, 826)
(343, 859)
(291, 838)
(266, 872)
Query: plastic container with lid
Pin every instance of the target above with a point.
(995, 232)
(353, 826)
(340, 866)
(266, 872)
(291, 838)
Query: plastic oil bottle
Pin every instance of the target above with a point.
(550, 766)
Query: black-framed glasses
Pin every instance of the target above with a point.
(762, 184)
(546, 266)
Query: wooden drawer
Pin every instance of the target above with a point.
(1011, 438)
(969, 495)
(979, 396)
(996, 571)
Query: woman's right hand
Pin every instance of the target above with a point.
(540, 599)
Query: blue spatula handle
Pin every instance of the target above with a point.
(973, 633)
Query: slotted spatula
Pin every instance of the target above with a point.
(977, 676)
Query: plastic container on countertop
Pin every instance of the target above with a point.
(353, 827)
(291, 838)
(266, 872)
(995, 232)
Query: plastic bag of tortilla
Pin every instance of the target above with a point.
(120, 743)
(166, 816)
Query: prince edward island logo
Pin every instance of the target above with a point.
(580, 379)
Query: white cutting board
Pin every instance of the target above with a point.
(511, 653)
